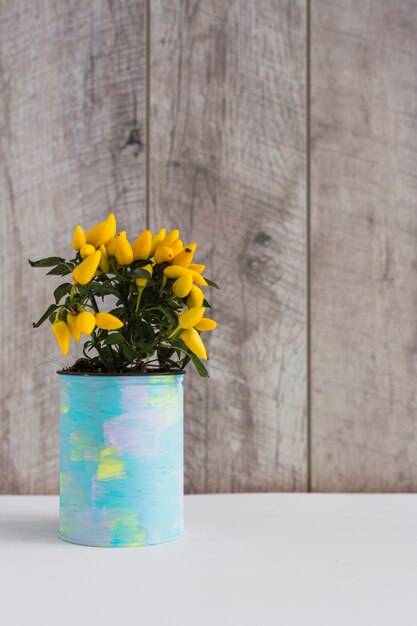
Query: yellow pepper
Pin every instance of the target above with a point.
(85, 271)
(169, 238)
(176, 246)
(103, 232)
(73, 327)
(185, 257)
(206, 324)
(193, 341)
(182, 286)
(163, 254)
(107, 321)
(156, 240)
(62, 335)
(86, 322)
(124, 252)
(142, 282)
(191, 317)
(92, 234)
(86, 250)
(176, 271)
(142, 246)
(197, 267)
(111, 247)
(104, 260)
(111, 231)
(198, 279)
(78, 239)
(195, 298)
(99, 234)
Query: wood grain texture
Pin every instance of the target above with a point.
(72, 104)
(364, 245)
(228, 167)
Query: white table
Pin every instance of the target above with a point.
(264, 559)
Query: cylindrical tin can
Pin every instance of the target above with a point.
(121, 458)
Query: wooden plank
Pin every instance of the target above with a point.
(72, 106)
(228, 167)
(364, 245)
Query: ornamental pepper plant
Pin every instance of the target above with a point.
(157, 311)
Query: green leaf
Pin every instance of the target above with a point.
(45, 316)
(139, 263)
(128, 351)
(167, 290)
(60, 270)
(186, 360)
(48, 262)
(62, 291)
(139, 273)
(115, 338)
(100, 289)
(206, 304)
(199, 365)
(212, 283)
(120, 312)
(116, 272)
(169, 314)
(164, 354)
(88, 346)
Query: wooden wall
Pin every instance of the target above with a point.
(228, 166)
(280, 135)
(73, 130)
(364, 245)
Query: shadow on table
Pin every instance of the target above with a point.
(30, 530)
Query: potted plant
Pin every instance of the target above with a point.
(139, 310)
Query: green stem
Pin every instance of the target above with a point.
(175, 332)
(94, 303)
(58, 313)
(163, 283)
(71, 296)
(140, 292)
(99, 351)
(111, 355)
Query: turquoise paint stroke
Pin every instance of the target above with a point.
(121, 459)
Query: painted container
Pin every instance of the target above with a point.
(121, 459)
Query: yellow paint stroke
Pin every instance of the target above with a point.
(83, 448)
(127, 529)
(64, 403)
(168, 402)
(110, 466)
(64, 484)
(171, 415)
